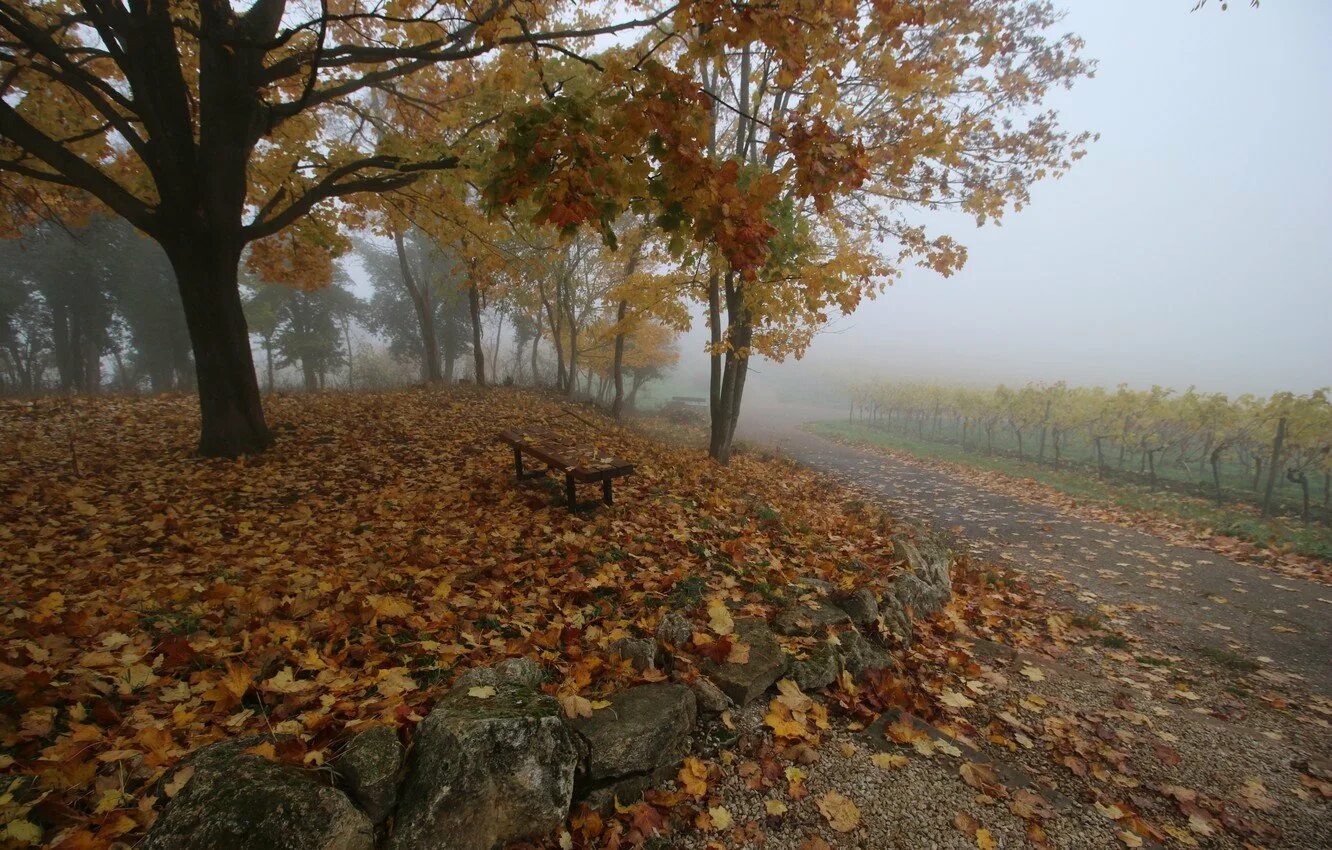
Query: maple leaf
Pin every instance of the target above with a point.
(721, 818)
(178, 781)
(719, 617)
(889, 761)
(390, 606)
(285, 682)
(953, 699)
(841, 814)
(575, 705)
(693, 777)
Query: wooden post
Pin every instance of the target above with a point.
(606, 495)
(569, 492)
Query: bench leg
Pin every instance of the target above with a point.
(569, 493)
(606, 495)
(518, 462)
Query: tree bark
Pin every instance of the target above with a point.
(425, 313)
(231, 413)
(728, 390)
(617, 367)
(1216, 471)
(478, 353)
(1302, 479)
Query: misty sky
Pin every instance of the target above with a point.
(1193, 244)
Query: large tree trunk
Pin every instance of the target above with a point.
(478, 353)
(729, 388)
(231, 413)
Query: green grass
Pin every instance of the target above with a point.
(1315, 540)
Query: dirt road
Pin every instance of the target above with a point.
(1197, 604)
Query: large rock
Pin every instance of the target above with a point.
(486, 771)
(674, 631)
(370, 769)
(860, 606)
(709, 697)
(859, 656)
(744, 682)
(643, 728)
(520, 672)
(644, 654)
(240, 801)
(817, 670)
(923, 590)
(808, 616)
(930, 561)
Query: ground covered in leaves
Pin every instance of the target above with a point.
(152, 602)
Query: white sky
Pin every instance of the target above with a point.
(1193, 245)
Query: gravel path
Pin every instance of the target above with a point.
(1198, 694)
(1193, 602)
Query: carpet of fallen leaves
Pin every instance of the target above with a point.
(1280, 561)
(152, 602)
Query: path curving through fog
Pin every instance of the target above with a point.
(1193, 602)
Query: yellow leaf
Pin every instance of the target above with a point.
(390, 606)
(984, 840)
(481, 692)
(774, 807)
(178, 781)
(721, 818)
(953, 699)
(285, 682)
(1129, 839)
(694, 777)
(841, 814)
(719, 617)
(111, 799)
(394, 682)
(1033, 673)
(575, 706)
(888, 761)
(791, 696)
(739, 654)
(22, 831)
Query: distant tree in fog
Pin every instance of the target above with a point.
(70, 296)
(419, 303)
(306, 329)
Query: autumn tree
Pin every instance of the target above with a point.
(788, 161)
(209, 127)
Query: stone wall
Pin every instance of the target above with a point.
(496, 761)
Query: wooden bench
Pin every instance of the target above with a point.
(559, 454)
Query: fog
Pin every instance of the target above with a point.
(1192, 245)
